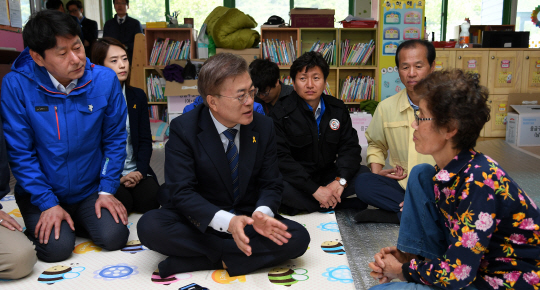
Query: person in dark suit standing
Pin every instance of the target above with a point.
(123, 27)
(222, 183)
(138, 184)
(89, 27)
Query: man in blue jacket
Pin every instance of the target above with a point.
(64, 124)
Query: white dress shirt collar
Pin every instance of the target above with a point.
(60, 87)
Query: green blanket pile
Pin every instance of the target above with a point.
(231, 28)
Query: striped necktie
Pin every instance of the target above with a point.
(233, 157)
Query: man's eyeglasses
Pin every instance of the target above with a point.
(418, 119)
(243, 98)
(265, 94)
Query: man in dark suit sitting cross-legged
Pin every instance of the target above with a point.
(222, 184)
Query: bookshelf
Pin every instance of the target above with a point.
(177, 34)
(157, 109)
(338, 73)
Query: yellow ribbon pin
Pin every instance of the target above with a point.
(254, 141)
(135, 106)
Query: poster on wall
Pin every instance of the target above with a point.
(399, 21)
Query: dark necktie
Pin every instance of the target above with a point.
(233, 157)
(121, 20)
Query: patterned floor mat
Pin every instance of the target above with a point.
(323, 266)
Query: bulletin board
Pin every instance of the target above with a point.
(398, 21)
(10, 15)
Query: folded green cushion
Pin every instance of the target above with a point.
(232, 28)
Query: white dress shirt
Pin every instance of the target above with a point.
(222, 218)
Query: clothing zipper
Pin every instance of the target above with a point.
(57, 124)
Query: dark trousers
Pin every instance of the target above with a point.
(295, 200)
(189, 249)
(380, 191)
(104, 232)
(141, 198)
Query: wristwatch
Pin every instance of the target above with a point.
(342, 182)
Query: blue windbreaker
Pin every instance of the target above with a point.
(62, 148)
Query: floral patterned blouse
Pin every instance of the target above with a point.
(494, 229)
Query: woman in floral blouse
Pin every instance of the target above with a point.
(465, 223)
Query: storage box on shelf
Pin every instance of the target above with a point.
(180, 95)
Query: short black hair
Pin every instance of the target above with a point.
(76, 3)
(42, 28)
(456, 100)
(431, 54)
(264, 74)
(54, 4)
(127, 1)
(309, 60)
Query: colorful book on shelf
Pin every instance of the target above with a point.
(328, 50)
(279, 51)
(354, 89)
(165, 50)
(357, 54)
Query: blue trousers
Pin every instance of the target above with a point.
(104, 232)
(380, 191)
(422, 230)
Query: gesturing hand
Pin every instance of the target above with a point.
(49, 218)
(395, 173)
(236, 228)
(271, 228)
(9, 222)
(115, 207)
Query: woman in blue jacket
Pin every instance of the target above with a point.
(138, 183)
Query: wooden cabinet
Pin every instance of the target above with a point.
(504, 76)
(474, 61)
(445, 59)
(496, 127)
(530, 79)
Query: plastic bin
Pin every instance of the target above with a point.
(359, 24)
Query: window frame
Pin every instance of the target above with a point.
(108, 10)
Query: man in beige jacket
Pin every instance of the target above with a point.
(390, 135)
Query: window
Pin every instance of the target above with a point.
(458, 10)
(261, 11)
(146, 11)
(198, 10)
(524, 23)
(341, 7)
(25, 11)
(433, 18)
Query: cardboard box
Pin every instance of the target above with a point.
(249, 54)
(301, 18)
(179, 95)
(523, 125)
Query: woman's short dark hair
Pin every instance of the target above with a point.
(216, 70)
(100, 48)
(456, 101)
(413, 43)
(264, 74)
(127, 1)
(309, 60)
(42, 28)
